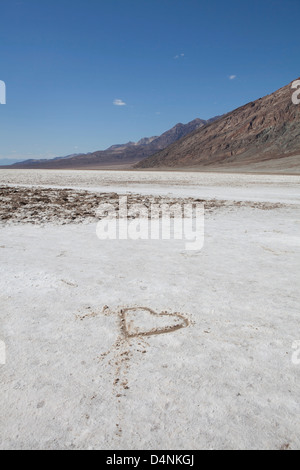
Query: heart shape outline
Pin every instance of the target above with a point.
(184, 322)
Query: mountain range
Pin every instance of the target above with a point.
(264, 130)
(119, 155)
(261, 135)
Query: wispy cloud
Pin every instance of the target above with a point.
(178, 56)
(118, 102)
(232, 77)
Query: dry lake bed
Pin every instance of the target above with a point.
(142, 344)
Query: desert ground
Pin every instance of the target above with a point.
(142, 344)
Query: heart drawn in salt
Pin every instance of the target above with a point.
(143, 321)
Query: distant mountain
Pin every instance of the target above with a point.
(8, 161)
(262, 130)
(67, 156)
(122, 154)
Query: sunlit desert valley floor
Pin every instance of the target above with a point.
(81, 372)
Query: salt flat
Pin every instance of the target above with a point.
(224, 379)
(253, 187)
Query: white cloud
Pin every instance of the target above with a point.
(178, 56)
(232, 77)
(117, 102)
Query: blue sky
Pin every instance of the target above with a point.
(66, 62)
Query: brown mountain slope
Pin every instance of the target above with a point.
(126, 154)
(266, 129)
